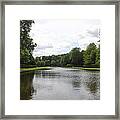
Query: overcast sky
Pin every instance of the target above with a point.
(55, 37)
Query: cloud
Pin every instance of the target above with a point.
(42, 47)
(81, 36)
(60, 36)
(93, 33)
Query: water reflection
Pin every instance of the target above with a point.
(60, 84)
(76, 84)
(26, 86)
(92, 86)
(46, 74)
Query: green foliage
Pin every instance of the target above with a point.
(53, 63)
(41, 63)
(47, 63)
(97, 62)
(26, 43)
(27, 66)
(75, 56)
(92, 56)
(85, 58)
(65, 59)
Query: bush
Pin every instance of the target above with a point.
(27, 66)
(40, 63)
(91, 66)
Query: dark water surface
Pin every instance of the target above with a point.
(60, 84)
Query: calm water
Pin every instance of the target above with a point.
(60, 84)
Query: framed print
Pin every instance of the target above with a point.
(60, 60)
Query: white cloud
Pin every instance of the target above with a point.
(60, 36)
(94, 32)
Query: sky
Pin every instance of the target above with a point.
(55, 37)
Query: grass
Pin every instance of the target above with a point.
(48, 68)
(35, 68)
(91, 69)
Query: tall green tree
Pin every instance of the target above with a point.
(97, 62)
(75, 56)
(65, 59)
(26, 43)
(82, 60)
(90, 55)
(86, 58)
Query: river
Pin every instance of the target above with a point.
(60, 84)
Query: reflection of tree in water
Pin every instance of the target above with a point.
(26, 86)
(93, 85)
(76, 84)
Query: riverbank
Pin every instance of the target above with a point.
(91, 69)
(83, 68)
(48, 68)
(35, 68)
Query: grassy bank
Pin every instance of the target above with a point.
(35, 68)
(82, 68)
(91, 69)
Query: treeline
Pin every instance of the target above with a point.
(26, 44)
(85, 58)
(75, 58)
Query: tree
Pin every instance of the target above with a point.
(82, 60)
(93, 56)
(88, 58)
(53, 63)
(26, 43)
(47, 63)
(65, 59)
(90, 55)
(75, 56)
(97, 62)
